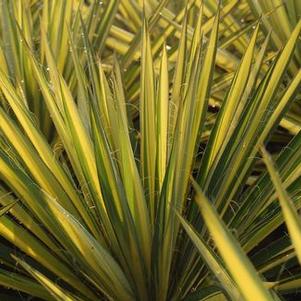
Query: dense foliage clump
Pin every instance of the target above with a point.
(135, 150)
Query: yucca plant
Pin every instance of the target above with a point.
(133, 159)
